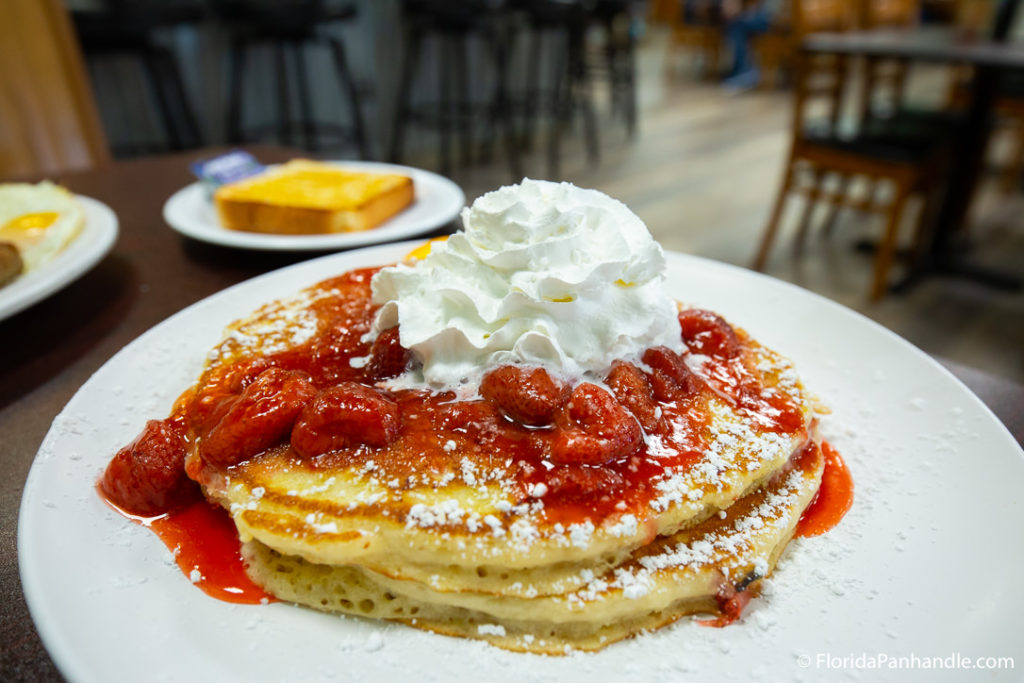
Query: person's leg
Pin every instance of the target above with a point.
(739, 31)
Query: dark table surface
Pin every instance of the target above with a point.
(938, 44)
(152, 272)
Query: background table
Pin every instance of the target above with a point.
(51, 349)
(945, 46)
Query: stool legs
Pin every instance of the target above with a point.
(446, 106)
(236, 77)
(502, 108)
(284, 121)
(413, 41)
(150, 61)
(348, 83)
(305, 105)
(463, 112)
(190, 133)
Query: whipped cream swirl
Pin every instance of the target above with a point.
(544, 274)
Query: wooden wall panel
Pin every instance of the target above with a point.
(48, 117)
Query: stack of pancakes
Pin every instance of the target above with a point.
(463, 551)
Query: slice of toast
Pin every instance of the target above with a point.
(307, 197)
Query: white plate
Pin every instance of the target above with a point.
(98, 234)
(438, 201)
(926, 564)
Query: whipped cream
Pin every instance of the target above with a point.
(543, 274)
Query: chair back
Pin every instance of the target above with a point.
(48, 117)
(819, 88)
(888, 13)
(819, 16)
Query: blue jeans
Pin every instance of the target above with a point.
(739, 31)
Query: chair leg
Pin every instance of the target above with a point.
(836, 204)
(348, 83)
(887, 246)
(773, 222)
(404, 95)
(1011, 176)
(236, 56)
(805, 218)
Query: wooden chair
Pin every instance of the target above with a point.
(48, 117)
(779, 48)
(701, 33)
(819, 150)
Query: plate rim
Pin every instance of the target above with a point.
(62, 651)
(255, 241)
(99, 232)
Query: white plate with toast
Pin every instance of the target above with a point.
(99, 231)
(191, 212)
(925, 567)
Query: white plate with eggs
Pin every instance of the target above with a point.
(54, 256)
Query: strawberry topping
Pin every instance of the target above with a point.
(529, 396)
(260, 417)
(345, 416)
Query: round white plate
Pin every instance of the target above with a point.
(190, 211)
(926, 564)
(97, 237)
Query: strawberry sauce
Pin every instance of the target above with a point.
(205, 546)
(834, 498)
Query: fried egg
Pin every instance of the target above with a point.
(39, 220)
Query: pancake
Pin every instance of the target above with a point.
(441, 532)
(671, 577)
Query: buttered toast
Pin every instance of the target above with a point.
(307, 197)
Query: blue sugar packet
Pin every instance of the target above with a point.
(226, 168)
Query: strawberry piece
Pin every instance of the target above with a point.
(670, 378)
(571, 482)
(258, 418)
(345, 416)
(333, 350)
(709, 334)
(594, 429)
(529, 396)
(633, 391)
(147, 477)
(388, 358)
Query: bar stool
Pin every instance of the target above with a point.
(619, 67)
(564, 23)
(289, 27)
(126, 29)
(452, 25)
